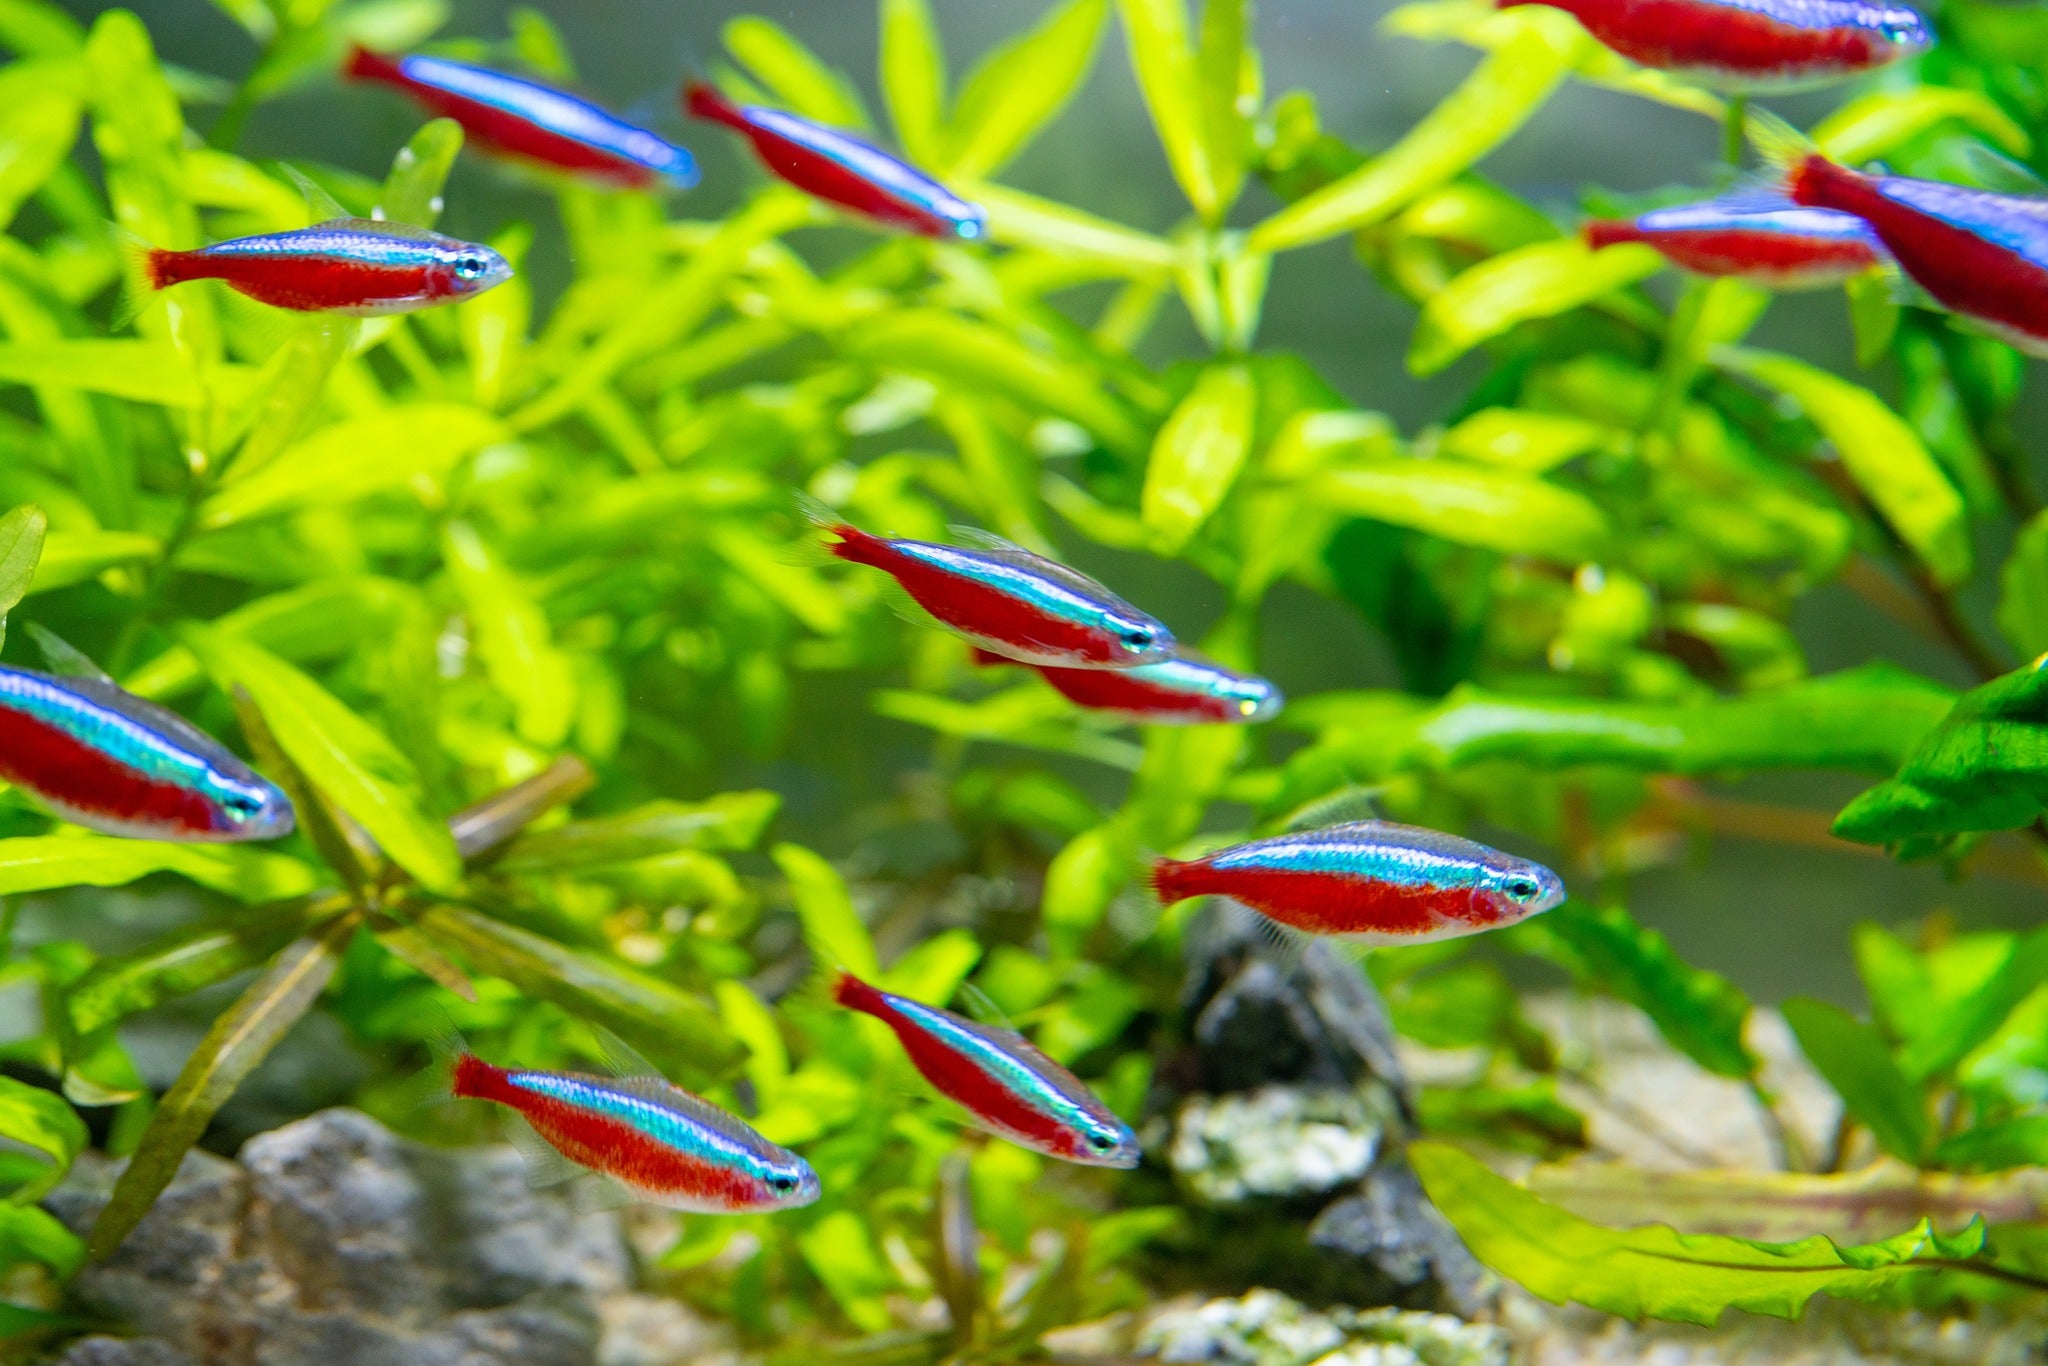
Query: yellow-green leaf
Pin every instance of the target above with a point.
(1875, 124)
(1495, 100)
(1498, 509)
(36, 863)
(1021, 86)
(74, 556)
(794, 73)
(1537, 281)
(1024, 220)
(513, 638)
(1520, 439)
(21, 546)
(144, 371)
(832, 927)
(1198, 454)
(412, 192)
(376, 453)
(38, 125)
(1882, 454)
(1163, 58)
(913, 69)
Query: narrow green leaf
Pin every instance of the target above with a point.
(341, 844)
(38, 126)
(321, 620)
(1163, 59)
(513, 637)
(1495, 100)
(1021, 86)
(2010, 1143)
(145, 371)
(412, 191)
(44, 1121)
(339, 752)
(1498, 509)
(74, 556)
(37, 28)
(241, 1037)
(797, 76)
(1855, 1061)
(1877, 124)
(2023, 596)
(1882, 454)
(1975, 1016)
(841, 1252)
(1656, 1272)
(1873, 316)
(298, 377)
(1024, 220)
(933, 970)
(539, 44)
(1531, 442)
(21, 546)
(1229, 69)
(1198, 454)
(832, 927)
(353, 459)
(495, 323)
(32, 1234)
(1537, 281)
(913, 69)
(417, 952)
(727, 822)
(187, 959)
(482, 827)
(35, 863)
(1700, 1013)
(672, 1026)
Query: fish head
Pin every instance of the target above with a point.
(1254, 699)
(1519, 888)
(788, 1183)
(1102, 1140)
(970, 222)
(1905, 30)
(250, 808)
(1139, 639)
(469, 269)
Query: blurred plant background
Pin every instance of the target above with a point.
(1707, 598)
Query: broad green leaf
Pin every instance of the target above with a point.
(1021, 86)
(913, 70)
(978, 358)
(2023, 581)
(1024, 220)
(44, 1121)
(1537, 281)
(1655, 1272)
(1877, 124)
(1518, 439)
(729, 821)
(1082, 880)
(32, 1234)
(751, 1022)
(1700, 1013)
(145, 371)
(1528, 1119)
(1882, 454)
(794, 73)
(1198, 453)
(185, 960)
(21, 546)
(37, 28)
(1228, 67)
(513, 637)
(343, 755)
(321, 620)
(672, 1026)
(539, 44)
(832, 928)
(1854, 1060)
(1974, 1016)
(1494, 101)
(1495, 508)
(1984, 767)
(1999, 1146)
(38, 125)
(1873, 316)
(495, 323)
(74, 556)
(241, 1037)
(412, 192)
(1163, 59)
(35, 863)
(355, 458)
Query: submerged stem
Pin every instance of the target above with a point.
(1734, 129)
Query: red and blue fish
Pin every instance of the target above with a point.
(1373, 882)
(1010, 601)
(110, 761)
(1978, 253)
(1764, 239)
(1753, 45)
(842, 169)
(357, 266)
(998, 1075)
(656, 1140)
(531, 122)
(1185, 690)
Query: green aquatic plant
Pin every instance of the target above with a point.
(448, 575)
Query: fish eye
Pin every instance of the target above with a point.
(1102, 1143)
(470, 266)
(1522, 888)
(782, 1185)
(1137, 637)
(243, 802)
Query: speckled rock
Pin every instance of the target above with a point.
(333, 1241)
(1275, 1141)
(1266, 1328)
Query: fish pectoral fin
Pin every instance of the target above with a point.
(545, 1166)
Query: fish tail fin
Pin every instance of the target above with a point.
(1781, 146)
(703, 100)
(855, 994)
(451, 1068)
(1171, 879)
(147, 270)
(361, 64)
(1609, 232)
(849, 542)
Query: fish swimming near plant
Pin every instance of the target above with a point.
(842, 169)
(653, 1139)
(1373, 882)
(1753, 45)
(1009, 600)
(358, 266)
(527, 121)
(1185, 690)
(1978, 253)
(1764, 239)
(998, 1075)
(113, 762)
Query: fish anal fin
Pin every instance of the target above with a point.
(600, 1194)
(545, 1166)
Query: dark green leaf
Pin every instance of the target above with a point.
(731, 820)
(185, 960)
(1527, 1119)
(1857, 1064)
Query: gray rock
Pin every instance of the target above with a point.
(332, 1241)
(1267, 1328)
(1391, 1224)
(1275, 1141)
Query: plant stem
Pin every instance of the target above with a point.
(1955, 629)
(1734, 129)
(1786, 1148)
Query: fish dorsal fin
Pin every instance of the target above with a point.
(320, 205)
(383, 227)
(982, 1010)
(622, 1059)
(977, 539)
(1994, 171)
(65, 659)
(1346, 806)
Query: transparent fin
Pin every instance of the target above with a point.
(981, 1009)
(321, 207)
(599, 1194)
(1345, 806)
(63, 657)
(622, 1058)
(987, 540)
(544, 1166)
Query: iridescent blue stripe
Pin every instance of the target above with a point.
(1758, 215)
(558, 112)
(1048, 595)
(384, 250)
(647, 1117)
(891, 174)
(1001, 1064)
(1896, 22)
(136, 746)
(2017, 223)
(1196, 678)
